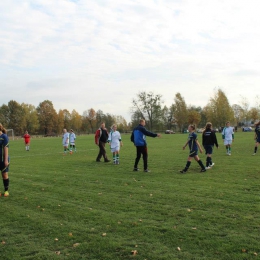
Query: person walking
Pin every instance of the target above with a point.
(72, 139)
(115, 141)
(101, 137)
(138, 137)
(257, 136)
(209, 139)
(194, 146)
(65, 141)
(228, 137)
(4, 162)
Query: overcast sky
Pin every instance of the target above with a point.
(100, 54)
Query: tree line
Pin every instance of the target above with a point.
(179, 115)
(44, 120)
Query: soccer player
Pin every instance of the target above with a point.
(72, 141)
(27, 141)
(257, 136)
(65, 140)
(101, 137)
(228, 137)
(138, 137)
(115, 141)
(194, 146)
(209, 139)
(4, 163)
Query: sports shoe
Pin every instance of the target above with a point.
(98, 161)
(135, 170)
(208, 167)
(183, 171)
(6, 194)
(117, 162)
(107, 160)
(203, 170)
(229, 154)
(253, 154)
(147, 170)
(212, 164)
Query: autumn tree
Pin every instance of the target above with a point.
(16, 117)
(238, 113)
(253, 114)
(4, 118)
(47, 117)
(218, 110)
(194, 116)
(180, 112)
(67, 119)
(60, 122)
(99, 118)
(149, 107)
(245, 106)
(76, 120)
(31, 118)
(121, 123)
(90, 117)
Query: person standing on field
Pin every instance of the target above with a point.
(257, 137)
(228, 137)
(65, 140)
(72, 141)
(115, 141)
(101, 138)
(138, 137)
(4, 163)
(194, 146)
(27, 141)
(209, 139)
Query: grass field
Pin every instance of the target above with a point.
(70, 207)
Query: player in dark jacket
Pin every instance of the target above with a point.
(257, 137)
(209, 139)
(138, 137)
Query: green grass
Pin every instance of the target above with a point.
(60, 206)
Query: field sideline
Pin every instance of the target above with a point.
(71, 207)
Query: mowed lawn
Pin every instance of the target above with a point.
(71, 207)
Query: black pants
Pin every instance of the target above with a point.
(141, 150)
(102, 151)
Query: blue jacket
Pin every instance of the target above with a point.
(139, 134)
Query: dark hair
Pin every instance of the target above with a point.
(257, 124)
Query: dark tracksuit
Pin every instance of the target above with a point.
(138, 137)
(101, 139)
(208, 140)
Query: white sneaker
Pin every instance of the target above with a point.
(212, 164)
(207, 168)
(253, 154)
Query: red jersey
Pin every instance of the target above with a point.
(26, 138)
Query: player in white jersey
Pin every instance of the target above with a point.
(114, 140)
(65, 140)
(228, 137)
(72, 141)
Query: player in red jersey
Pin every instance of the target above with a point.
(27, 140)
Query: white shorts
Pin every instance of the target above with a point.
(227, 142)
(114, 149)
(65, 144)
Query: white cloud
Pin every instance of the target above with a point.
(84, 50)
